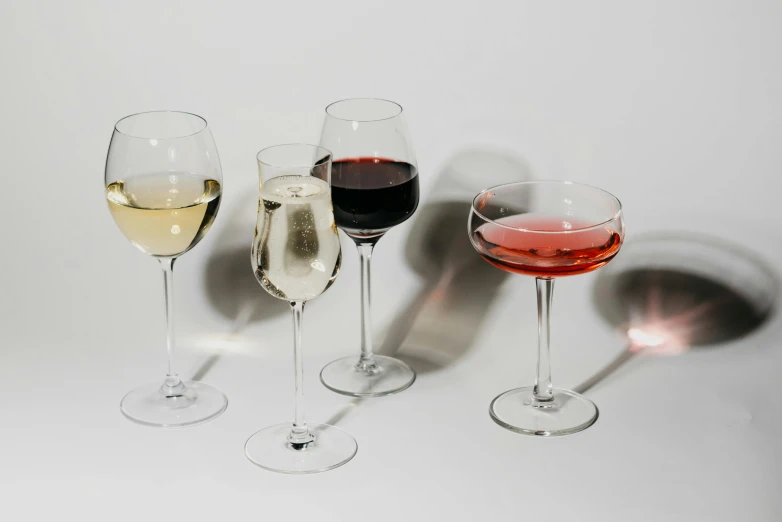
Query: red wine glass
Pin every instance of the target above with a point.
(545, 229)
(374, 187)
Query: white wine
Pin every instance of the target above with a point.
(296, 253)
(164, 214)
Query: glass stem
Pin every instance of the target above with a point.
(367, 361)
(543, 389)
(172, 386)
(299, 437)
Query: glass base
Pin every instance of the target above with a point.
(568, 413)
(194, 403)
(331, 448)
(349, 377)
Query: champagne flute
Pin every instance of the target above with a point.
(296, 256)
(374, 188)
(163, 185)
(545, 229)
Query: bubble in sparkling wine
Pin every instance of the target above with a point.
(296, 252)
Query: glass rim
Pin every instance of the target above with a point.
(143, 113)
(329, 154)
(329, 114)
(616, 215)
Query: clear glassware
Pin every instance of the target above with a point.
(296, 256)
(545, 229)
(374, 188)
(163, 185)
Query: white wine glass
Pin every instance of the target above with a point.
(296, 256)
(163, 184)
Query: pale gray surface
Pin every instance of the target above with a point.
(673, 106)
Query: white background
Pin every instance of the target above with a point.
(674, 106)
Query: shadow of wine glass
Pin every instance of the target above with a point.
(231, 288)
(669, 292)
(439, 323)
(344, 410)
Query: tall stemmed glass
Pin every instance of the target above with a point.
(296, 256)
(374, 188)
(163, 185)
(545, 229)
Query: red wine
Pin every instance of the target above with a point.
(549, 246)
(371, 195)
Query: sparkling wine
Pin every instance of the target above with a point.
(296, 253)
(371, 195)
(546, 246)
(164, 214)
